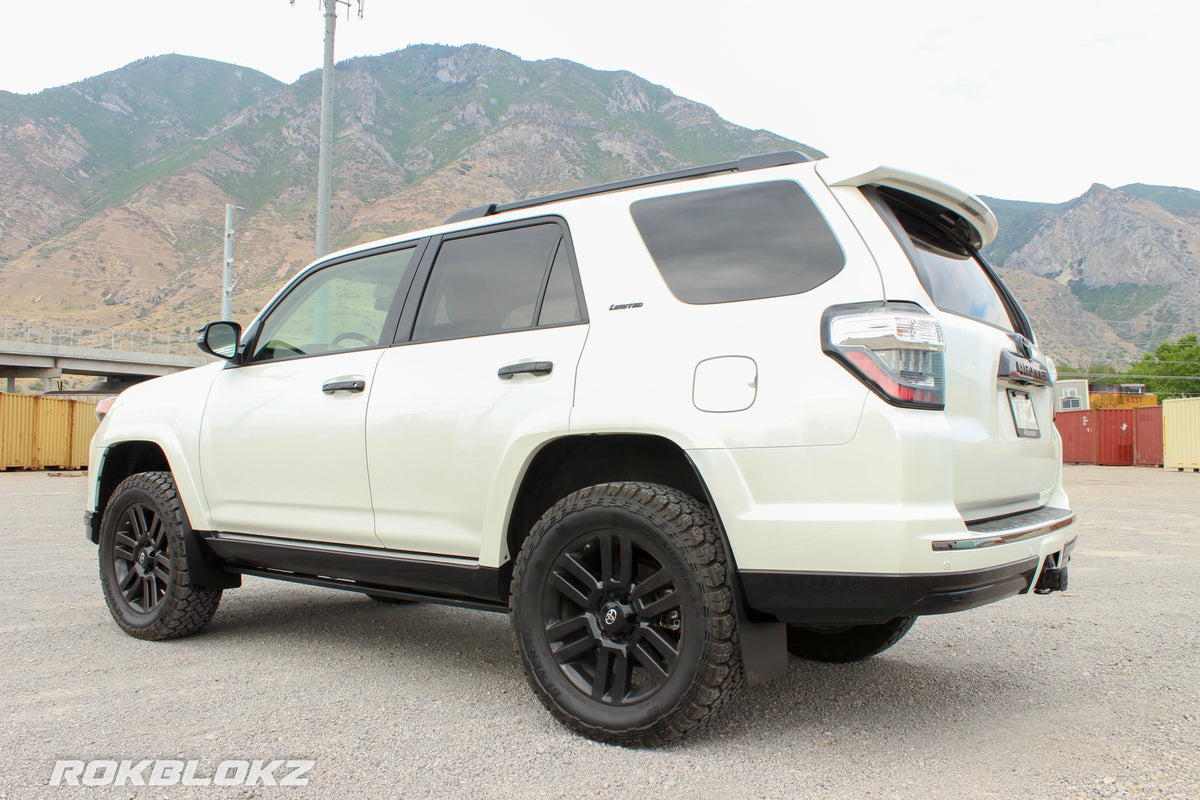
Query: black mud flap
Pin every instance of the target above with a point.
(764, 648)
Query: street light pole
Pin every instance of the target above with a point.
(227, 275)
(325, 157)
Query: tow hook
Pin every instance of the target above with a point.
(1054, 575)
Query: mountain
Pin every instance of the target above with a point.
(1176, 199)
(1124, 258)
(113, 189)
(1020, 220)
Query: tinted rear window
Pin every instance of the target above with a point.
(948, 268)
(739, 243)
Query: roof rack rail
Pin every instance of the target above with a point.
(741, 165)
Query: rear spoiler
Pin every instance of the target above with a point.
(978, 216)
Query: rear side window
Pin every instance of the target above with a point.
(739, 243)
(948, 268)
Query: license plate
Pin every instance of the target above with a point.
(1023, 416)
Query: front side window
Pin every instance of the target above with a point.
(499, 281)
(947, 267)
(739, 243)
(341, 307)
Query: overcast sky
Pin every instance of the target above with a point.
(1016, 99)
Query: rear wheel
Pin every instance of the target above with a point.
(622, 608)
(842, 645)
(143, 562)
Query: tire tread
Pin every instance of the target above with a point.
(690, 525)
(189, 608)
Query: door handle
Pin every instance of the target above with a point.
(354, 386)
(531, 367)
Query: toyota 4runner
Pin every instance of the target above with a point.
(676, 427)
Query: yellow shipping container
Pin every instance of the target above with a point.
(1118, 400)
(1181, 434)
(18, 413)
(40, 432)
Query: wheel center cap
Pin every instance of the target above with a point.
(615, 618)
(144, 561)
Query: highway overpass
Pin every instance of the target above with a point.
(35, 350)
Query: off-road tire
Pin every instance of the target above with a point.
(843, 645)
(622, 611)
(143, 561)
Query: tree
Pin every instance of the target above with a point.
(1172, 370)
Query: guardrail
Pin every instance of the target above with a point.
(26, 332)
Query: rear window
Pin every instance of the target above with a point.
(948, 268)
(739, 243)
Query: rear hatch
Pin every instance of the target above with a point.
(999, 387)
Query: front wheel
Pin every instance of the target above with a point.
(622, 610)
(846, 644)
(143, 561)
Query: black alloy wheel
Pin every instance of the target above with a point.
(143, 561)
(622, 609)
(612, 617)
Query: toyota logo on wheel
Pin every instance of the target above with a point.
(610, 616)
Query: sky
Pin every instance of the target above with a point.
(1015, 99)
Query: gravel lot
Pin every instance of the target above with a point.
(1087, 694)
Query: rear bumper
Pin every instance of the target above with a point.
(817, 598)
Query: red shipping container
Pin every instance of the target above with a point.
(1148, 436)
(1078, 436)
(1114, 437)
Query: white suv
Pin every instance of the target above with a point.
(675, 427)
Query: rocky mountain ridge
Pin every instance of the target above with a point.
(1127, 260)
(112, 190)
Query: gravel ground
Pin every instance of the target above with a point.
(1086, 694)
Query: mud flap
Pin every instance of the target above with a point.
(764, 648)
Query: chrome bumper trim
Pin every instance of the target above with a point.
(1006, 530)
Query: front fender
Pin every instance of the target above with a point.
(164, 413)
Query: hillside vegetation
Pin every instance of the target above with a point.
(113, 189)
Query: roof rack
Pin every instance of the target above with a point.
(741, 165)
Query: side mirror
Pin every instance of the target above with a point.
(220, 339)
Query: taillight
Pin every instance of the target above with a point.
(896, 349)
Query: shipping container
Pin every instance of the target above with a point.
(1121, 400)
(1181, 434)
(18, 415)
(1078, 437)
(1148, 437)
(1114, 437)
(45, 432)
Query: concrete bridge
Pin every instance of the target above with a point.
(36, 350)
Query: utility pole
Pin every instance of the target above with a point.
(325, 156)
(227, 278)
